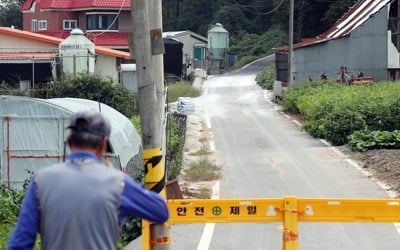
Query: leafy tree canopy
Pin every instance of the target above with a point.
(10, 14)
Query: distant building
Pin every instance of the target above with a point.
(366, 39)
(106, 23)
(27, 56)
(194, 48)
(218, 45)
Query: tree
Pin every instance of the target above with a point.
(336, 10)
(10, 14)
(95, 88)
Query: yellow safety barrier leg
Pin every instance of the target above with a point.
(154, 236)
(290, 221)
(146, 245)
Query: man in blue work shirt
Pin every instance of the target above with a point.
(81, 204)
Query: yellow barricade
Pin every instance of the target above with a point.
(288, 210)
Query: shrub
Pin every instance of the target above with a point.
(10, 200)
(176, 139)
(334, 111)
(365, 140)
(95, 88)
(266, 77)
(181, 89)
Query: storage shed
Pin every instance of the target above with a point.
(366, 40)
(33, 132)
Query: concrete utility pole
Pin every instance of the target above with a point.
(290, 52)
(157, 49)
(146, 43)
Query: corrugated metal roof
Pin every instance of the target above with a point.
(176, 34)
(357, 15)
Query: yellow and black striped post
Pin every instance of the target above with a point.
(155, 177)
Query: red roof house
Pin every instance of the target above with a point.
(105, 22)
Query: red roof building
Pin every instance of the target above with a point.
(105, 22)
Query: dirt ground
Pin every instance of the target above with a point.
(197, 140)
(384, 165)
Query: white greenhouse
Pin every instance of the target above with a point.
(33, 134)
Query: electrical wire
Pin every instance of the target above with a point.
(247, 7)
(275, 9)
(112, 23)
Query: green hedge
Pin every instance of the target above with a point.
(334, 111)
(266, 77)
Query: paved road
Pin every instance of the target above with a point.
(264, 154)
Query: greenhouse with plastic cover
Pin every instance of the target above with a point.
(33, 134)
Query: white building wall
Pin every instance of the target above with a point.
(188, 45)
(12, 42)
(106, 66)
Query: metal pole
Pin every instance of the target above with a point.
(290, 53)
(150, 90)
(74, 64)
(33, 75)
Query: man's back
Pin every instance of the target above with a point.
(79, 204)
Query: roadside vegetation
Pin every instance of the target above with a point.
(181, 89)
(250, 47)
(266, 77)
(203, 168)
(10, 201)
(365, 116)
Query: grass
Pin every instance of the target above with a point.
(202, 151)
(203, 139)
(204, 193)
(181, 89)
(203, 170)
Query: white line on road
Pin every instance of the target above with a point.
(383, 185)
(325, 142)
(208, 121)
(266, 97)
(297, 122)
(338, 152)
(355, 164)
(208, 232)
(212, 145)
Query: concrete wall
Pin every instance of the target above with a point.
(365, 49)
(106, 66)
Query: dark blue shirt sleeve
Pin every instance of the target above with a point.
(137, 201)
(24, 234)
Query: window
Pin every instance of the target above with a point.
(69, 24)
(42, 25)
(34, 25)
(101, 21)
